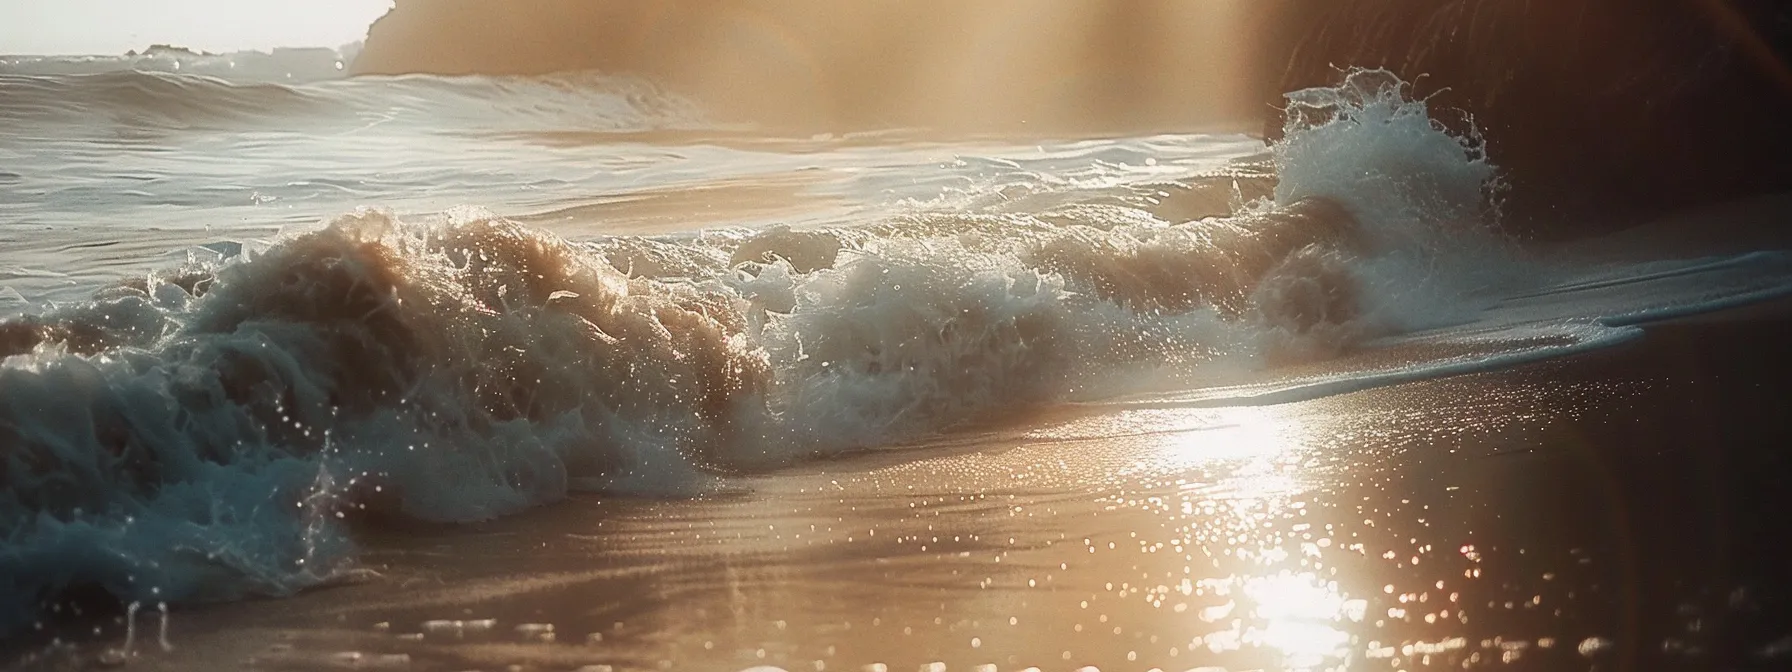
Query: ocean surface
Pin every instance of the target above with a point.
(256, 314)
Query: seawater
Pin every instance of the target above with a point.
(246, 304)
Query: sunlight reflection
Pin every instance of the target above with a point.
(1298, 611)
(1259, 433)
(1251, 445)
(1239, 474)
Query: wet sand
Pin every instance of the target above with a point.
(1618, 510)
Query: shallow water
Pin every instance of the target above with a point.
(1577, 515)
(257, 323)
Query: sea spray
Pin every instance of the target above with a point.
(1426, 196)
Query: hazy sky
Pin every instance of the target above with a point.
(117, 26)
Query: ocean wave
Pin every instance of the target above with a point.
(106, 101)
(204, 433)
(145, 99)
(288, 66)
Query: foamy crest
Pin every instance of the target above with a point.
(1426, 197)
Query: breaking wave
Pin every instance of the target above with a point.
(209, 432)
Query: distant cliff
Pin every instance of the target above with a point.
(1590, 106)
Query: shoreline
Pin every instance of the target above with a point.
(1529, 467)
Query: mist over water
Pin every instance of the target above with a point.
(450, 299)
